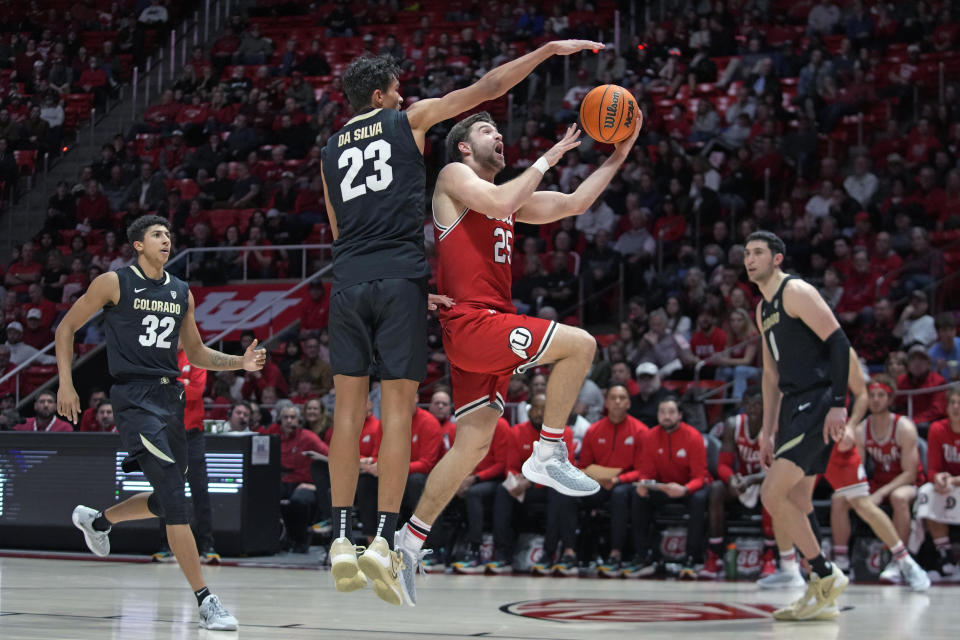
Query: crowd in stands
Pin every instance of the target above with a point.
(828, 123)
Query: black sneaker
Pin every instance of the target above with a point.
(611, 568)
(642, 566)
(469, 562)
(567, 566)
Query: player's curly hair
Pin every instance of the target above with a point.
(460, 132)
(365, 75)
(138, 228)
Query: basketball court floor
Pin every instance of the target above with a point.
(77, 599)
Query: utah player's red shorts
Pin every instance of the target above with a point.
(846, 474)
(485, 348)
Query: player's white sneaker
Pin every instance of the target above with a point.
(915, 576)
(215, 617)
(891, 573)
(782, 580)
(97, 541)
(557, 473)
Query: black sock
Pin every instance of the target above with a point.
(343, 523)
(815, 525)
(100, 523)
(820, 565)
(387, 525)
(203, 593)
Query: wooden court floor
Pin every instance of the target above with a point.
(71, 599)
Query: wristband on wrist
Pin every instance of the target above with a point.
(541, 165)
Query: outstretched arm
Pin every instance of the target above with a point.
(423, 114)
(103, 290)
(204, 357)
(460, 185)
(548, 206)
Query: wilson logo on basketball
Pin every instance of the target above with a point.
(619, 611)
(611, 117)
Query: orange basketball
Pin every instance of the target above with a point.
(609, 113)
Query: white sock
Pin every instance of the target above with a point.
(788, 561)
(549, 439)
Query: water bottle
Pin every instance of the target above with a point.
(730, 562)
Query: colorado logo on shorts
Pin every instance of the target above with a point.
(520, 340)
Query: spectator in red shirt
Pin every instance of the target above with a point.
(441, 407)
(611, 444)
(884, 259)
(45, 410)
(24, 272)
(6, 367)
(270, 376)
(922, 141)
(315, 312)
(48, 310)
(620, 374)
(88, 419)
(943, 463)
(106, 422)
(476, 494)
(708, 340)
(94, 207)
(561, 510)
(672, 467)
(34, 333)
(426, 447)
(928, 195)
(859, 289)
(298, 447)
(927, 407)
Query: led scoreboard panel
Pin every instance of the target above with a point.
(43, 476)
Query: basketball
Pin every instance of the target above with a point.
(609, 113)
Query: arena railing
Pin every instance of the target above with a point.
(305, 250)
(180, 256)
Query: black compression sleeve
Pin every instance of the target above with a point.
(839, 367)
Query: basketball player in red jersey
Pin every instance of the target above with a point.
(846, 475)
(484, 339)
(890, 440)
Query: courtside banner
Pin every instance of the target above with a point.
(261, 307)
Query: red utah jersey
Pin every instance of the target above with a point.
(885, 454)
(474, 257)
(194, 380)
(748, 449)
(943, 449)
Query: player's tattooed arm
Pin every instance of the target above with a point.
(204, 357)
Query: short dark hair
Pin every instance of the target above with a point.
(138, 228)
(945, 320)
(669, 398)
(461, 131)
(618, 384)
(365, 75)
(103, 402)
(773, 241)
(46, 392)
(624, 363)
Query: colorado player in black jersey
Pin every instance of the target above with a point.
(374, 182)
(146, 311)
(806, 359)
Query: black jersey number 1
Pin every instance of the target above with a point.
(354, 158)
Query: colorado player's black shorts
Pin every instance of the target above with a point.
(800, 434)
(380, 328)
(149, 415)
